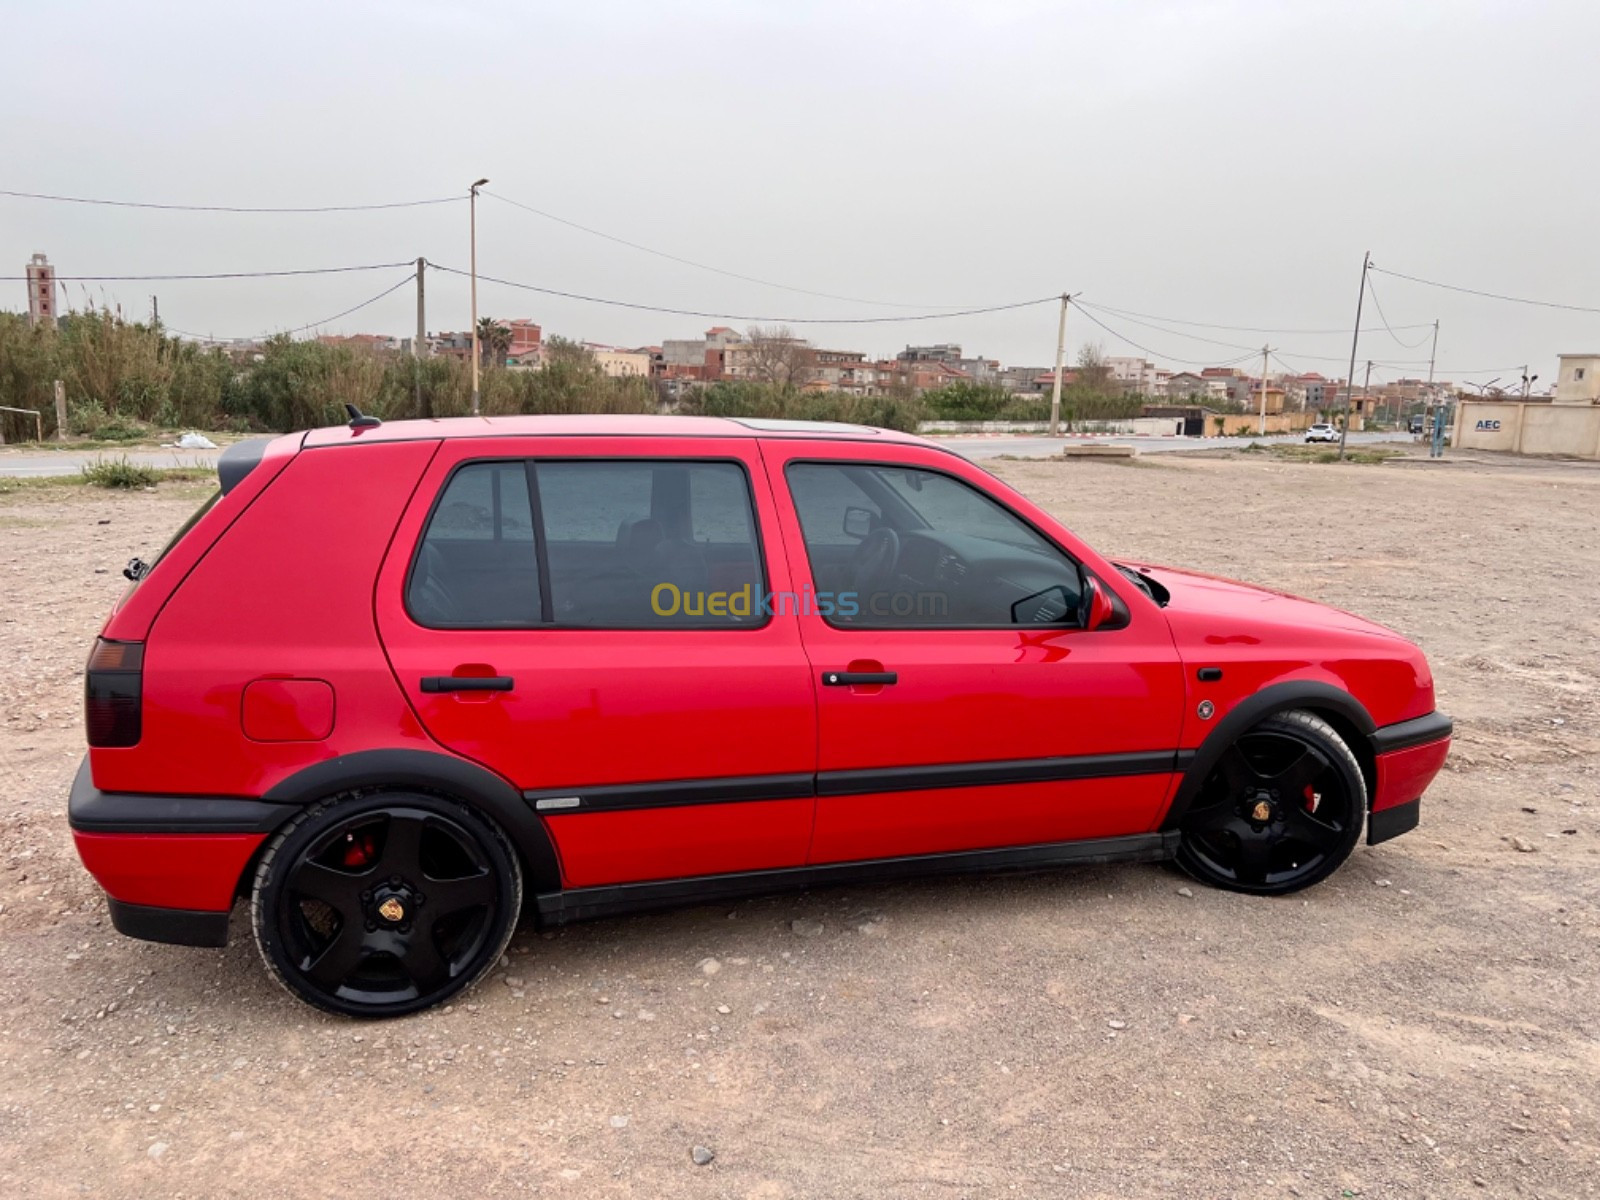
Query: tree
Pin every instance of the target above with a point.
(494, 341)
(564, 352)
(777, 356)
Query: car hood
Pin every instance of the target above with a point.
(1237, 607)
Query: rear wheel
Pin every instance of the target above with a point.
(1280, 811)
(385, 904)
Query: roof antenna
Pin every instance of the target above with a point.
(359, 420)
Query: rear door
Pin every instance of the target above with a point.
(960, 707)
(585, 617)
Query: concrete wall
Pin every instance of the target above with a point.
(1572, 430)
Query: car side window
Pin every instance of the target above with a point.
(476, 567)
(642, 544)
(931, 551)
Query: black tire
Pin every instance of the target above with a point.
(384, 904)
(1280, 811)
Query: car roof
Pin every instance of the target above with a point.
(603, 425)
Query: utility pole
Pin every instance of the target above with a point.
(419, 344)
(1355, 338)
(1265, 350)
(473, 204)
(155, 313)
(1061, 351)
(1434, 450)
(1366, 385)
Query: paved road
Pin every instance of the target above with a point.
(1025, 446)
(69, 462)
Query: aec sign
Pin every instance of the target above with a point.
(1487, 425)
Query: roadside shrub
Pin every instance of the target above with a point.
(119, 473)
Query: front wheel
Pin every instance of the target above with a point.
(1282, 808)
(385, 904)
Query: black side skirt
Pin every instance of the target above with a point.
(174, 926)
(575, 904)
(1392, 822)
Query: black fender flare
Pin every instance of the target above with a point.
(442, 774)
(1279, 697)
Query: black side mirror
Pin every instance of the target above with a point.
(858, 521)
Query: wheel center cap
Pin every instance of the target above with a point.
(1262, 811)
(392, 910)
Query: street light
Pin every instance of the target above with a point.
(473, 205)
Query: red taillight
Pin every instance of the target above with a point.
(111, 693)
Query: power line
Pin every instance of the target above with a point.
(217, 274)
(1174, 357)
(1213, 341)
(1450, 287)
(402, 282)
(228, 208)
(721, 316)
(689, 262)
(1373, 292)
(1122, 312)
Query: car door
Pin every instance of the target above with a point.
(583, 616)
(958, 705)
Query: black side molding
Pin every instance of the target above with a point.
(1417, 732)
(90, 810)
(174, 926)
(1392, 822)
(575, 904)
(978, 774)
(672, 793)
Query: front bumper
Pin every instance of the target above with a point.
(171, 865)
(1408, 756)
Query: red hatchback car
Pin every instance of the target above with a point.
(393, 676)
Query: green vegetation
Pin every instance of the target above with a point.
(118, 473)
(778, 401)
(125, 380)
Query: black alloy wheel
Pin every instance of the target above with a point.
(385, 904)
(1282, 808)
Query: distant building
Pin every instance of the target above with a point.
(1578, 379)
(1186, 385)
(1138, 376)
(620, 364)
(41, 292)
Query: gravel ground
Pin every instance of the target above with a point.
(1423, 1024)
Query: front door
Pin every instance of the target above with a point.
(959, 706)
(584, 617)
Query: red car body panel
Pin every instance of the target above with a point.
(278, 648)
(607, 707)
(1403, 775)
(285, 595)
(983, 695)
(194, 871)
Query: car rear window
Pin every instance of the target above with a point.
(476, 567)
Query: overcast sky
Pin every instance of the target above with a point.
(1221, 162)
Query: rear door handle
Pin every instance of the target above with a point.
(847, 678)
(467, 683)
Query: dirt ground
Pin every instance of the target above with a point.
(1424, 1024)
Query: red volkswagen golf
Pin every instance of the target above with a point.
(394, 680)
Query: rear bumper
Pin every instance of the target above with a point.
(174, 926)
(171, 865)
(1408, 756)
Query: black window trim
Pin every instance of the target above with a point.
(1118, 622)
(547, 620)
